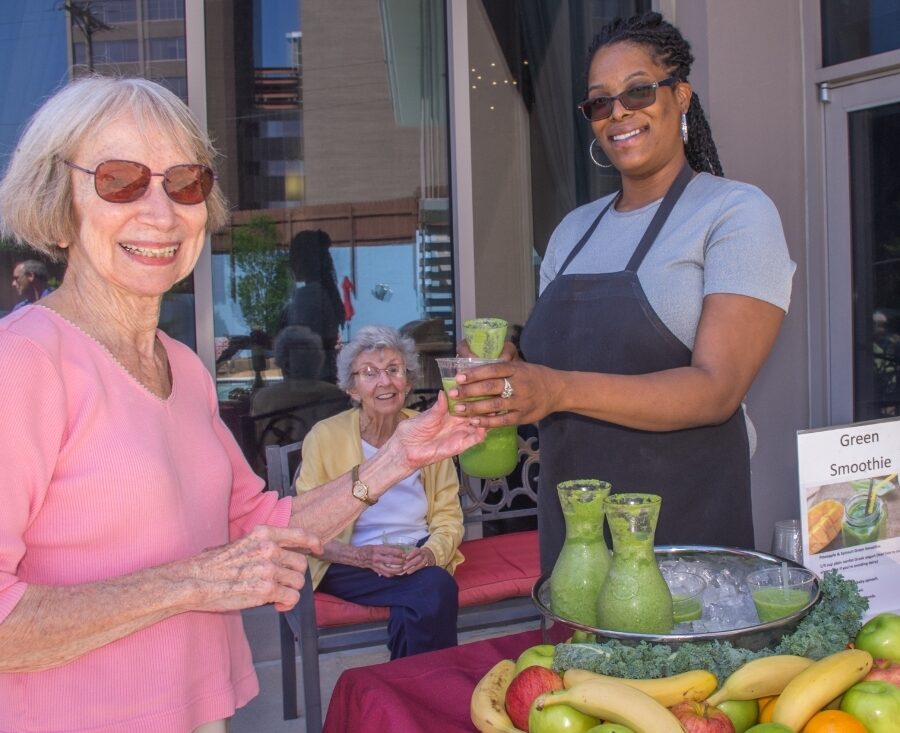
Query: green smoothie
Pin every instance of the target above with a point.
(497, 455)
(774, 603)
(685, 608)
(583, 562)
(860, 528)
(485, 336)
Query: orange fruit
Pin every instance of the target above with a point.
(763, 701)
(765, 711)
(833, 721)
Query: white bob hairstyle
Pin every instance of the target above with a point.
(36, 192)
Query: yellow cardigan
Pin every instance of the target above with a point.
(334, 446)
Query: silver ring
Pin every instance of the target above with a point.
(507, 389)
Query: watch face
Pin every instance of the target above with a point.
(361, 491)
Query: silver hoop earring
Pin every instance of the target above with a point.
(597, 162)
(684, 128)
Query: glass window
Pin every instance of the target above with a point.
(32, 65)
(107, 52)
(875, 222)
(161, 49)
(852, 29)
(113, 11)
(175, 84)
(164, 9)
(332, 122)
(526, 62)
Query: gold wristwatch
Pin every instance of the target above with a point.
(359, 489)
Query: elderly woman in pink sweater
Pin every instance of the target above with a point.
(132, 530)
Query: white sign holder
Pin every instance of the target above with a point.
(850, 506)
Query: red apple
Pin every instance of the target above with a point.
(885, 669)
(700, 717)
(523, 690)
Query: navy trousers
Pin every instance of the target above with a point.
(423, 605)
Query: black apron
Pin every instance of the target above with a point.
(604, 323)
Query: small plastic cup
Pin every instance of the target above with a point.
(780, 591)
(451, 366)
(687, 595)
(400, 541)
(485, 336)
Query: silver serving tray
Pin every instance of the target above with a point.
(750, 637)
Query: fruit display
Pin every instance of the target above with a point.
(779, 693)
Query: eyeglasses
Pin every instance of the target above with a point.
(599, 108)
(124, 181)
(369, 373)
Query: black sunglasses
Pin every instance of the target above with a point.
(643, 95)
(124, 181)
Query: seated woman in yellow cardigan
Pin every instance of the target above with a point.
(377, 369)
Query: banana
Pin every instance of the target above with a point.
(760, 678)
(488, 705)
(697, 685)
(818, 684)
(614, 702)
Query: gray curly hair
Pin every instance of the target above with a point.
(376, 338)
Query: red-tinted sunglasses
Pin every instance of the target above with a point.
(124, 181)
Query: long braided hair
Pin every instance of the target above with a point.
(669, 49)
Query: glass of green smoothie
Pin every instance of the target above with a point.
(498, 454)
(865, 520)
(779, 592)
(485, 336)
(687, 595)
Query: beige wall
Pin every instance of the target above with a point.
(353, 151)
(749, 75)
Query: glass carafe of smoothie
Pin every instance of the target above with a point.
(583, 562)
(634, 597)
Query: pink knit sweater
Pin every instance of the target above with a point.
(99, 478)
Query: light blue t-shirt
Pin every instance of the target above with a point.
(722, 236)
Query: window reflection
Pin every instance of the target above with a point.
(875, 217)
(332, 123)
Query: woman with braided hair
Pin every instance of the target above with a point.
(659, 305)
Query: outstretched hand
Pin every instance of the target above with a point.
(435, 435)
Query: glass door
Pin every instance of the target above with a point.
(862, 136)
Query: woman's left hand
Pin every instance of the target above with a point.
(531, 393)
(416, 559)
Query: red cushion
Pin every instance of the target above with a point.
(499, 567)
(495, 568)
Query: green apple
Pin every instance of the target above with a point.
(875, 703)
(540, 655)
(559, 719)
(743, 713)
(880, 636)
(610, 728)
(769, 728)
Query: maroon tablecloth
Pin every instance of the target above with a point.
(420, 694)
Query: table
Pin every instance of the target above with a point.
(423, 693)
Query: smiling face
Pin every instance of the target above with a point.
(639, 143)
(381, 395)
(140, 248)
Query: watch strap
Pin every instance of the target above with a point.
(359, 489)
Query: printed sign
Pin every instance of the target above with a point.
(851, 500)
